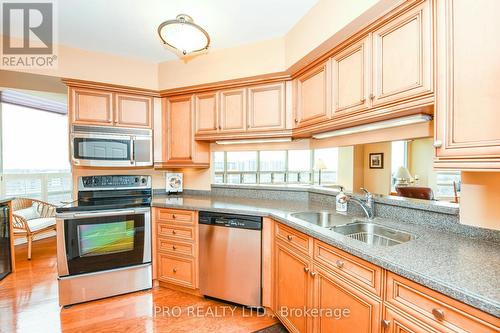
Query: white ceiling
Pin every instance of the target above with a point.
(128, 27)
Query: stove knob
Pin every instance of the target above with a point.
(143, 180)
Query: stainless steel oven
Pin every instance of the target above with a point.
(104, 239)
(111, 146)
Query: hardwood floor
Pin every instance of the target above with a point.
(29, 303)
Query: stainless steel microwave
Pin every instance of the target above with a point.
(111, 146)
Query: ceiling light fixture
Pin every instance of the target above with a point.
(184, 36)
(419, 118)
(246, 141)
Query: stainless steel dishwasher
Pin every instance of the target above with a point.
(230, 257)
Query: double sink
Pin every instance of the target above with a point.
(367, 232)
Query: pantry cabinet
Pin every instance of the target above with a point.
(103, 107)
(180, 148)
(402, 56)
(467, 135)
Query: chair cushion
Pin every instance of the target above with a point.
(41, 223)
(29, 213)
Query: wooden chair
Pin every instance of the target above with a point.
(424, 193)
(29, 228)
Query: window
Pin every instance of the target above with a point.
(399, 158)
(35, 154)
(446, 184)
(276, 167)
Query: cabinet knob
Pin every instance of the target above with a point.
(339, 263)
(372, 96)
(174, 270)
(438, 313)
(296, 120)
(173, 216)
(313, 274)
(220, 127)
(386, 323)
(174, 247)
(438, 144)
(289, 237)
(306, 269)
(362, 100)
(173, 232)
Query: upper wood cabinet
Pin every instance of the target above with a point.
(133, 110)
(313, 95)
(266, 107)
(91, 107)
(402, 56)
(206, 113)
(108, 108)
(180, 148)
(468, 76)
(233, 110)
(351, 78)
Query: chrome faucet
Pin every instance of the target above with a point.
(367, 205)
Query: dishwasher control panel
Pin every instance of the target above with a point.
(231, 220)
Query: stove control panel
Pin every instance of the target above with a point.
(113, 182)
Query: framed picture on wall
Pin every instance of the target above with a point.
(376, 160)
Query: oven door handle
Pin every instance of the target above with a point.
(100, 214)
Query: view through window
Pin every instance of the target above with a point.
(35, 154)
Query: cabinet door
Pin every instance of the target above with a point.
(356, 310)
(467, 117)
(395, 323)
(179, 131)
(92, 107)
(133, 110)
(402, 56)
(313, 95)
(206, 113)
(292, 287)
(233, 110)
(351, 78)
(266, 107)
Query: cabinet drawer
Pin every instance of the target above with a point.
(435, 309)
(177, 270)
(396, 323)
(175, 216)
(357, 271)
(176, 231)
(173, 247)
(293, 237)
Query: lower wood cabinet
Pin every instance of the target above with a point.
(176, 247)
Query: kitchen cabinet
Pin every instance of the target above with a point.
(133, 110)
(351, 78)
(233, 110)
(394, 322)
(107, 108)
(312, 95)
(402, 56)
(175, 247)
(91, 107)
(467, 136)
(292, 287)
(266, 107)
(206, 113)
(180, 148)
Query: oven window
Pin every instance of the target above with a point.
(102, 239)
(102, 149)
(106, 242)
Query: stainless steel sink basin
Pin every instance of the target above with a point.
(324, 219)
(374, 234)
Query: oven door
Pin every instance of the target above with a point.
(102, 150)
(103, 240)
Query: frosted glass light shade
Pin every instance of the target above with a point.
(183, 35)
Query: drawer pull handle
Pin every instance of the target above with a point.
(438, 313)
(174, 247)
(174, 270)
(313, 274)
(289, 237)
(386, 323)
(173, 216)
(438, 144)
(339, 263)
(173, 232)
(306, 269)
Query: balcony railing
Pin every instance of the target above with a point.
(53, 187)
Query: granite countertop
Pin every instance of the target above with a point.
(462, 268)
